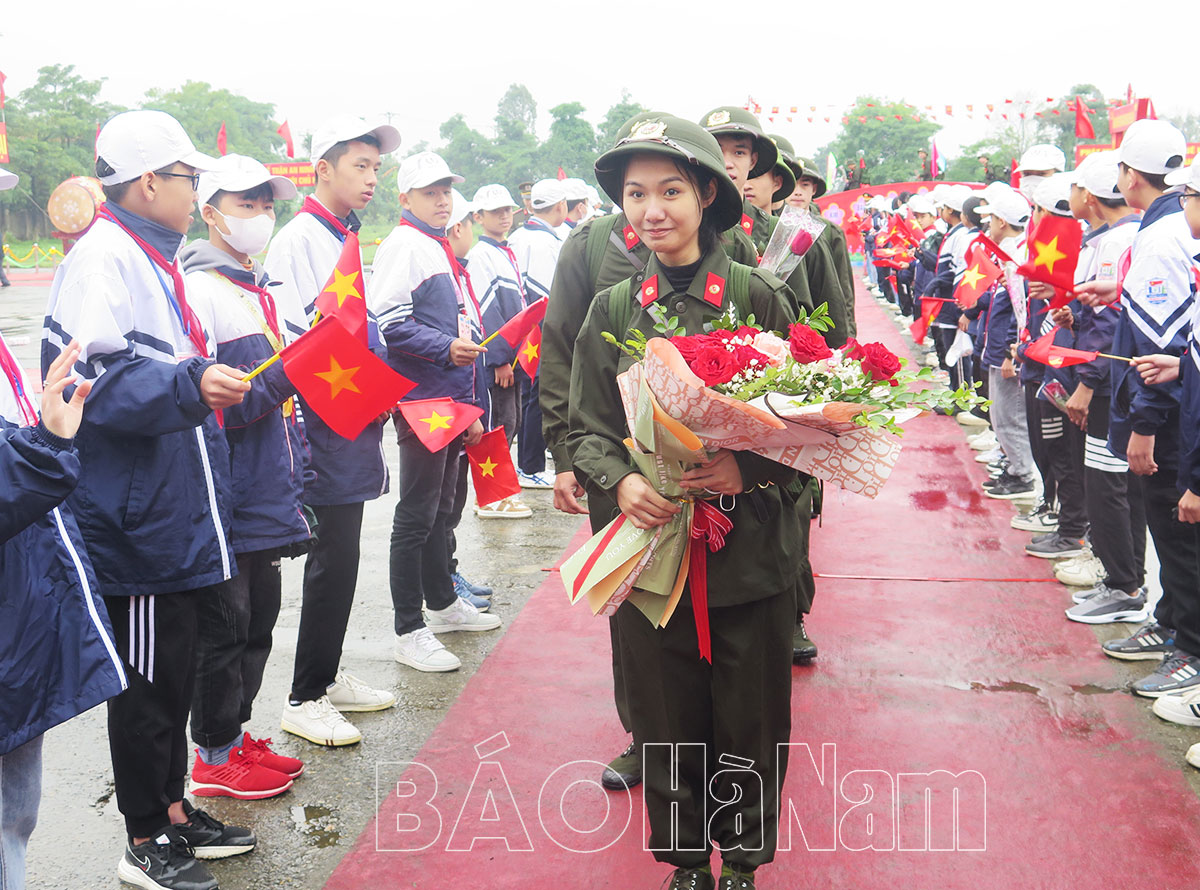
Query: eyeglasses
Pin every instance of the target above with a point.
(1184, 197)
(194, 177)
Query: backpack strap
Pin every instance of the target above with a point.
(739, 289)
(620, 308)
(598, 234)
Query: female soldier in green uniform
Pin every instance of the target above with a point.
(669, 178)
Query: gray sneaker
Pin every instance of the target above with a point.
(1179, 671)
(1149, 643)
(1110, 607)
(1052, 545)
(1080, 596)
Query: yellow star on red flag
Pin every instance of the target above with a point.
(338, 378)
(343, 286)
(488, 467)
(437, 421)
(1048, 254)
(972, 277)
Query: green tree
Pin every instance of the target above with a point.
(614, 118)
(572, 143)
(468, 152)
(888, 137)
(516, 113)
(1057, 124)
(249, 127)
(1000, 149)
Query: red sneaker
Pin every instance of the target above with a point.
(240, 776)
(259, 750)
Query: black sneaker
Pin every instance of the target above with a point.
(691, 879)
(1054, 546)
(1009, 487)
(165, 862)
(733, 877)
(212, 839)
(1149, 643)
(624, 771)
(804, 650)
(1040, 519)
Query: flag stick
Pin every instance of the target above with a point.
(275, 357)
(1119, 358)
(490, 338)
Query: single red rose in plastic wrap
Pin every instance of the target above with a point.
(852, 349)
(714, 364)
(879, 362)
(807, 345)
(749, 358)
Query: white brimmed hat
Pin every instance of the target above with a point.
(575, 189)
(238, 173)
(494, 197)
(1042, 157)
(137, 142)
(460, 209)
(1098, 174)
(1153, 146)
(1009, 206)
(347, 128)
(1188, 176)
(8, 179)
(920, 204)
(1054, 194)
(422, 169)
(546, 193)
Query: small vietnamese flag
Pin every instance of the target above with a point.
(222, 140)
(341, 380)
(930, 306)
(518, 327)
(1083, 124)
(286, 132)
(342, 295)
(1044, 351)
(562, 174)
(529, 355)
(1053, 252)
(438, 422)
(981, 273)
(492, 470)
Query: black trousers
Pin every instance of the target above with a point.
(1037, 444)
(738, 708)
(531, 444)
(1115, 506)
(233, 641)
(147, 723)
(1063, 444)
(330, 577)
(602, 511)
(806, 584)
(1179, 558)
(506, 408)
(420, 558)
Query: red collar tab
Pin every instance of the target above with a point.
(631, 238)
(747, 223)
(714, 289)
(649, 290)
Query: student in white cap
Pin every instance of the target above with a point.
(153, 497)
(536, 246)
(576, 191)
(57, 657)
(230, 293)
(502, 295)
(430, 325)
(951, 265)
(1037, 163)
(344, 474)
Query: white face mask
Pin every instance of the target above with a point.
(248, 235)
(1029, 185)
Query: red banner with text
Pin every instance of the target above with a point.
(299, 172)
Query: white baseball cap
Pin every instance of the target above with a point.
(238, 173)
(938, 194)
(137, 142)
(546, 193)
(1098, 174)
(493, 197)
(347, 128)
(955, 196)
(1042, 157)
(422, 169)
(1054, 193)
(8, 179)
(575, 189)
(920, 204)
(1189, 176)
(1011, 207)
(1152, 146)
(460, 209)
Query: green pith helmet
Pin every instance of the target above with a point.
(800, 166)
(784, 169)
(674, 137)
(739, 122)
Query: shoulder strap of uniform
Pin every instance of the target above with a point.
(739, 289)
(597, 242)
(620, 308)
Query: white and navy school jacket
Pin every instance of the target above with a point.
(1157, 296)
(266, 453)
(301, 258)
(1096, 326)
(952, 263)
(498, 285)
(536, 246)
(153, 496)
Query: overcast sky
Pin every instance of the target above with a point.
(422, 62)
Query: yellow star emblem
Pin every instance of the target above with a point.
(437, 421)
(530, 351)
(1048, 254)
(343, 286)
(338, 378)
(488, 467)
(972, 277)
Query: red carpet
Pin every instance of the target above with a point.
(913, 677)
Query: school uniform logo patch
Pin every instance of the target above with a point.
(1156, 291)
(1108, 271)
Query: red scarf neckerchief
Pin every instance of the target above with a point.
(187, 318)
(13, 372)
(265, 301)
(316, 208)
(461, 278)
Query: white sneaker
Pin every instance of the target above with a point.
(348, 693)
(1193, 755)
(985, 441)
(319, 722)
(1087, 572)
(459, 615)
(986, 457)
(966, 418)
(508, 508)
(421, 650)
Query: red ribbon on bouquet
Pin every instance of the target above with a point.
(709, 528)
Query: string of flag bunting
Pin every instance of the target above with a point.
(1000, 110)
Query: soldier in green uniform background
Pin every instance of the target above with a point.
(748, 154)
(597, 255)
(739, 705)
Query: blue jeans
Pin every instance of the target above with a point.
(20, 793)
(872, 273)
